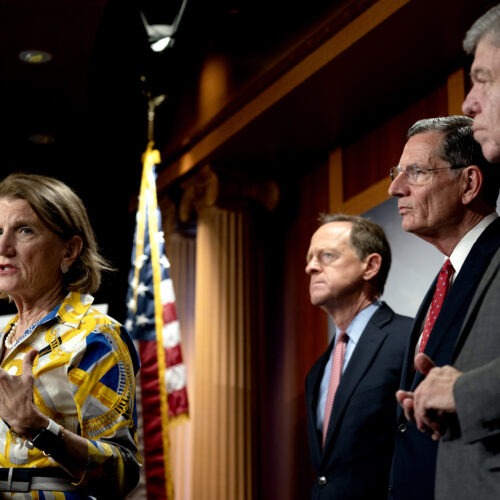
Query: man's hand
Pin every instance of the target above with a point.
(433, 398)
(405, 398)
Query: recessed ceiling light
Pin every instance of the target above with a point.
(35, 56)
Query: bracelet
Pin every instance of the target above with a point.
(53, 427)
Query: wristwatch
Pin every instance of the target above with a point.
(48, 440)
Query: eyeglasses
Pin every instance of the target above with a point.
(324, 257)
(416, 175)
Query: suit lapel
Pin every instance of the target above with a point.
(455, 304)
(466, 282)
(408, 372)
(491, 271)
(312, 396)
(362, 357)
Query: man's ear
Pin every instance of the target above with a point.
(472, 179)
(373, 263)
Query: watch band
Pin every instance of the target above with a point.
(48, 440)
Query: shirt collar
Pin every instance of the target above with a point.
(359, 322)
(464, 246)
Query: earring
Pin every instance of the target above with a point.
(64, 268)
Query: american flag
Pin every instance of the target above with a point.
(152, 322)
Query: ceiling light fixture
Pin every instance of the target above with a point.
(161, 36)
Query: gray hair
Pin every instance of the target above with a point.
(487, 24)
(64, 213)
(460, 149)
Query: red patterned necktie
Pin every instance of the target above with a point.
(442, 286)
(338, 362)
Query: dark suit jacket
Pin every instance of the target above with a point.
(468, 464)
(356, 460)
(414, 462)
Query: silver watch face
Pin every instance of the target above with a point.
(29, 444)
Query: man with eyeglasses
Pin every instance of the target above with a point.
(447, 194)
(459, 403)
(351, 430)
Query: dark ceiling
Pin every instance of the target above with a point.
(85, 110)
(91, 98)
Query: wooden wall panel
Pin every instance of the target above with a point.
(368, 159)
(305, 330)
